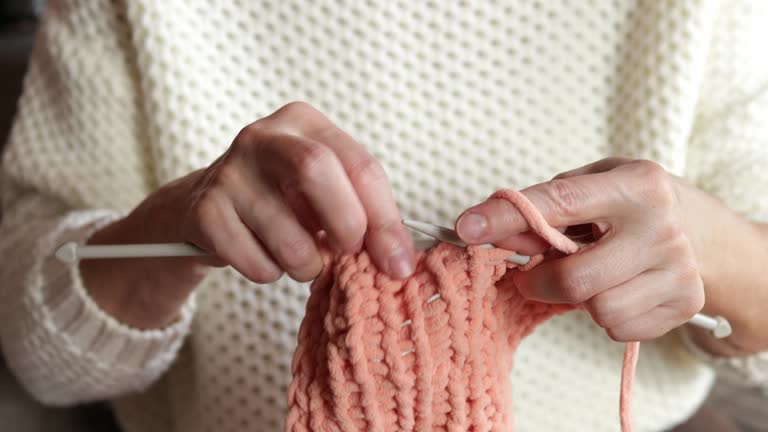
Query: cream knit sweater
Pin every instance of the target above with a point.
(457, 99)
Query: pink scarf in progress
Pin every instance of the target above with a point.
(433, 352)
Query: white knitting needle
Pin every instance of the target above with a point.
(719, 326)
(71, 252)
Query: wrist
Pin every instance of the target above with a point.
(730, 251)
(143, 292)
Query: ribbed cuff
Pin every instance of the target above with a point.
(749, 370)
(71, 312)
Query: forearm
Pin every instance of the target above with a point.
(149, 292)
(733, 253)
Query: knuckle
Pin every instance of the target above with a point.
(296, 253)
(306, 273)
(618, 335)
(352, 230)
(227, 175)
(614, 161)
(671, 241)
(263, 275)
(672, 233)
(201, 221)
(291, 118)
(574, 285)
(205, 209)
(692, 303)
(688, 274)
(564, 196)
(295, 109)
(260, 216)
(656, 186)
(246, 136)
(356, 226)
(694, 306)
(314, 162)
(603, 313)
(633, 334)
(367, 171)
(648, 168)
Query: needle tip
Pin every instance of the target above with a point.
(424, 228)
(723, 328)
(67, 253)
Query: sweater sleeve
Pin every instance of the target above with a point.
(728, 150)
(77, 159)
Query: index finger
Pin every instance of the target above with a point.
(562, 202)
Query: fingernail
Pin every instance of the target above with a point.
(472, 226)
(400, 264)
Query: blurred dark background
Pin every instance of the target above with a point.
(17, 27)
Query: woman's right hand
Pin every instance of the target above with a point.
(257, 208)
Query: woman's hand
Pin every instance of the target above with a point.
(639, 280)
(284, 178)
(660, 243)
(258, 208)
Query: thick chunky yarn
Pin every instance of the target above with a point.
(432, 352)
(453, 98)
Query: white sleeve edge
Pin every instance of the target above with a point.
(749, 370)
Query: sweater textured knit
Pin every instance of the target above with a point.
(456, 99)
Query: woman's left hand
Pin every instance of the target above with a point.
(639, 279)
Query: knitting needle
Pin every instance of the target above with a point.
(71, 252)
(449, 236)
(719, 326)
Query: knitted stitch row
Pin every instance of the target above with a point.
(433, 352)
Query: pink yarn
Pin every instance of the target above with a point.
(433, 352)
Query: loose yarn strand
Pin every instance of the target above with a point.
(631, 352)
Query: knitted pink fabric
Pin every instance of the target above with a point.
(433, 352)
